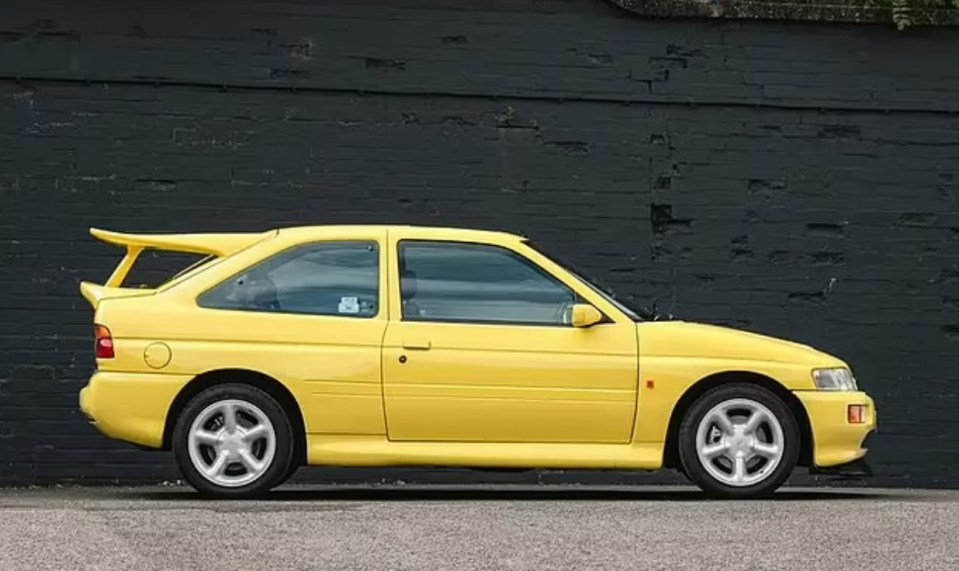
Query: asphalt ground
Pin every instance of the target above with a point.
(477, 527)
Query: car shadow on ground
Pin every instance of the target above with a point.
(543, 493)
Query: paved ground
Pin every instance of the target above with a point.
(477, 528)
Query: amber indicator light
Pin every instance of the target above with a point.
(856, 414)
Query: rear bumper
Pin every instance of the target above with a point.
(836, 441)
(131, 407)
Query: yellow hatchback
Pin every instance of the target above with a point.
(415, 346)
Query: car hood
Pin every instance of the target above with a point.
(687, 339)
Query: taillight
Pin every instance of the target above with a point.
(104, 342)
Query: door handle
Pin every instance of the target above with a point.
(416, 345)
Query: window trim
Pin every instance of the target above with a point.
(379, 282)
(536, 267)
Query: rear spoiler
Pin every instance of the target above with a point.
(210, 244)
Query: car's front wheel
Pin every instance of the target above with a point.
(233, 440)
(739, 441)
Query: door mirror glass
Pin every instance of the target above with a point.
(584, 315)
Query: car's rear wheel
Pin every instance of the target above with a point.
(233, 440)
(739, 441)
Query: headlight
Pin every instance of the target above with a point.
(839, 379)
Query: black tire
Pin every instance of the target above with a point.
(692, 464)
(294, 466)
(274, 474)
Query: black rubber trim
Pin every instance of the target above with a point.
(859, 468)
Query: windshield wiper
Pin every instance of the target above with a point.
(653, 314)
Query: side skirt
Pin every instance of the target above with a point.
(340, 450)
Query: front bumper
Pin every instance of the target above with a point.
(836, 441)
(131, 407)
(851, 470)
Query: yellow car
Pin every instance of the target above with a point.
(414, 346)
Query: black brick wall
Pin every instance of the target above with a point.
(796, 180)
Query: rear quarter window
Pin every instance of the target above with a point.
(329, 278)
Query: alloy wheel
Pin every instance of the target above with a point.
(232, 443)
(740, 442)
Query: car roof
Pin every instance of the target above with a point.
(431, 232)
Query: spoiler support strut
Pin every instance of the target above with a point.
(124, 267)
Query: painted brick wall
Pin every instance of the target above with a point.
(795, 180)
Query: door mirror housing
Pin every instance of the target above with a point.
(584, 315)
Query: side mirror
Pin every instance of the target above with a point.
(584, 315)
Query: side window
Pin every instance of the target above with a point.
(328, 278)
(448, 281)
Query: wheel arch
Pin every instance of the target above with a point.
(264, 382)
(700, 387)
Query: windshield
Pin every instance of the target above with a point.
(628, 306)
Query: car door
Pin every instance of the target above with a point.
(479, 349)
